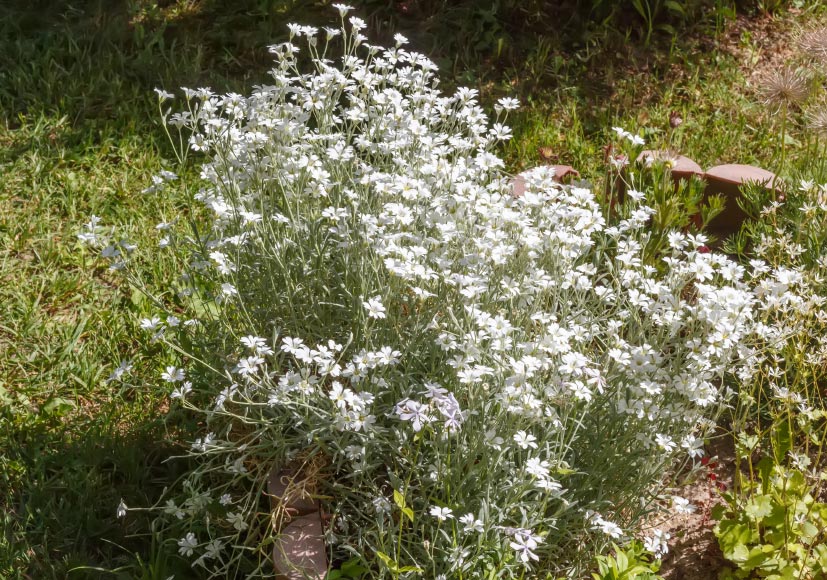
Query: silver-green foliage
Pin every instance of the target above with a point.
(475, 385)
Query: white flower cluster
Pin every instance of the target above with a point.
(520, 359)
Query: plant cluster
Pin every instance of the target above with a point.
(773, 524)
(779, 419)
(439, 362)
(774, 527)
(632, 563)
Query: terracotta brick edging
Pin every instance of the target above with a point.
(726, 180)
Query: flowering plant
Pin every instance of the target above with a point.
(472, 384)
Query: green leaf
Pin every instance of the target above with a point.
(759, 507)
(59, 406)
(808, 532)
(408, 512)
(790, 140)
(734, 537)
(622, 559)
(756, 557)
(777, 518)
(796, 485)
(746, 443)
(137, 297)
(781, 441)
(820, 552)
(764, 472)
(353, 569)
(388, 561)
(739, 554)
(399, 500)
(718, 512)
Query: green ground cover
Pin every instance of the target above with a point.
(79, 136)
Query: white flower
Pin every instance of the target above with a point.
(291, 345)
(237, 466)
(213, 549)
(636, 140)
(225, 499)
(414, 412)
(237, 520)
(396, 190)
(524, 544)
(508, 103)
(374, 307)
(295, 29)
(110, 252)
(121, 512)
(187, 544)
(202, 444)
(549, 484)
(682, 506)
(607, 527)
(525, 440)
(173, 510)
(657, 543)
(471, 524)
(493, 440)
(257, 344)
(249, 366)
(150, 323)
(500, 132)
(355, 452)
(163, 95)
(173, 374)
(381, 505)
(118, 373)
(537, 467)
(665, 442)
(441, 513)
(343, 9)
(621, 132)
(182, 391)
(694, 446)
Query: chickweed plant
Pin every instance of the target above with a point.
(473, 385)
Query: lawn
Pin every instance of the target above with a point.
(79, 136)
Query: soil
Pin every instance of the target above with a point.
(693, 549)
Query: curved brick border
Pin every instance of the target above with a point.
(725, 180)
(561, 174)
(299, 552)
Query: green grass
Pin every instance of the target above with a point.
(723, 122)
(78, 136)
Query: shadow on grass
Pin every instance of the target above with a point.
(76, 98)
(97, 61)
(65, 491)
